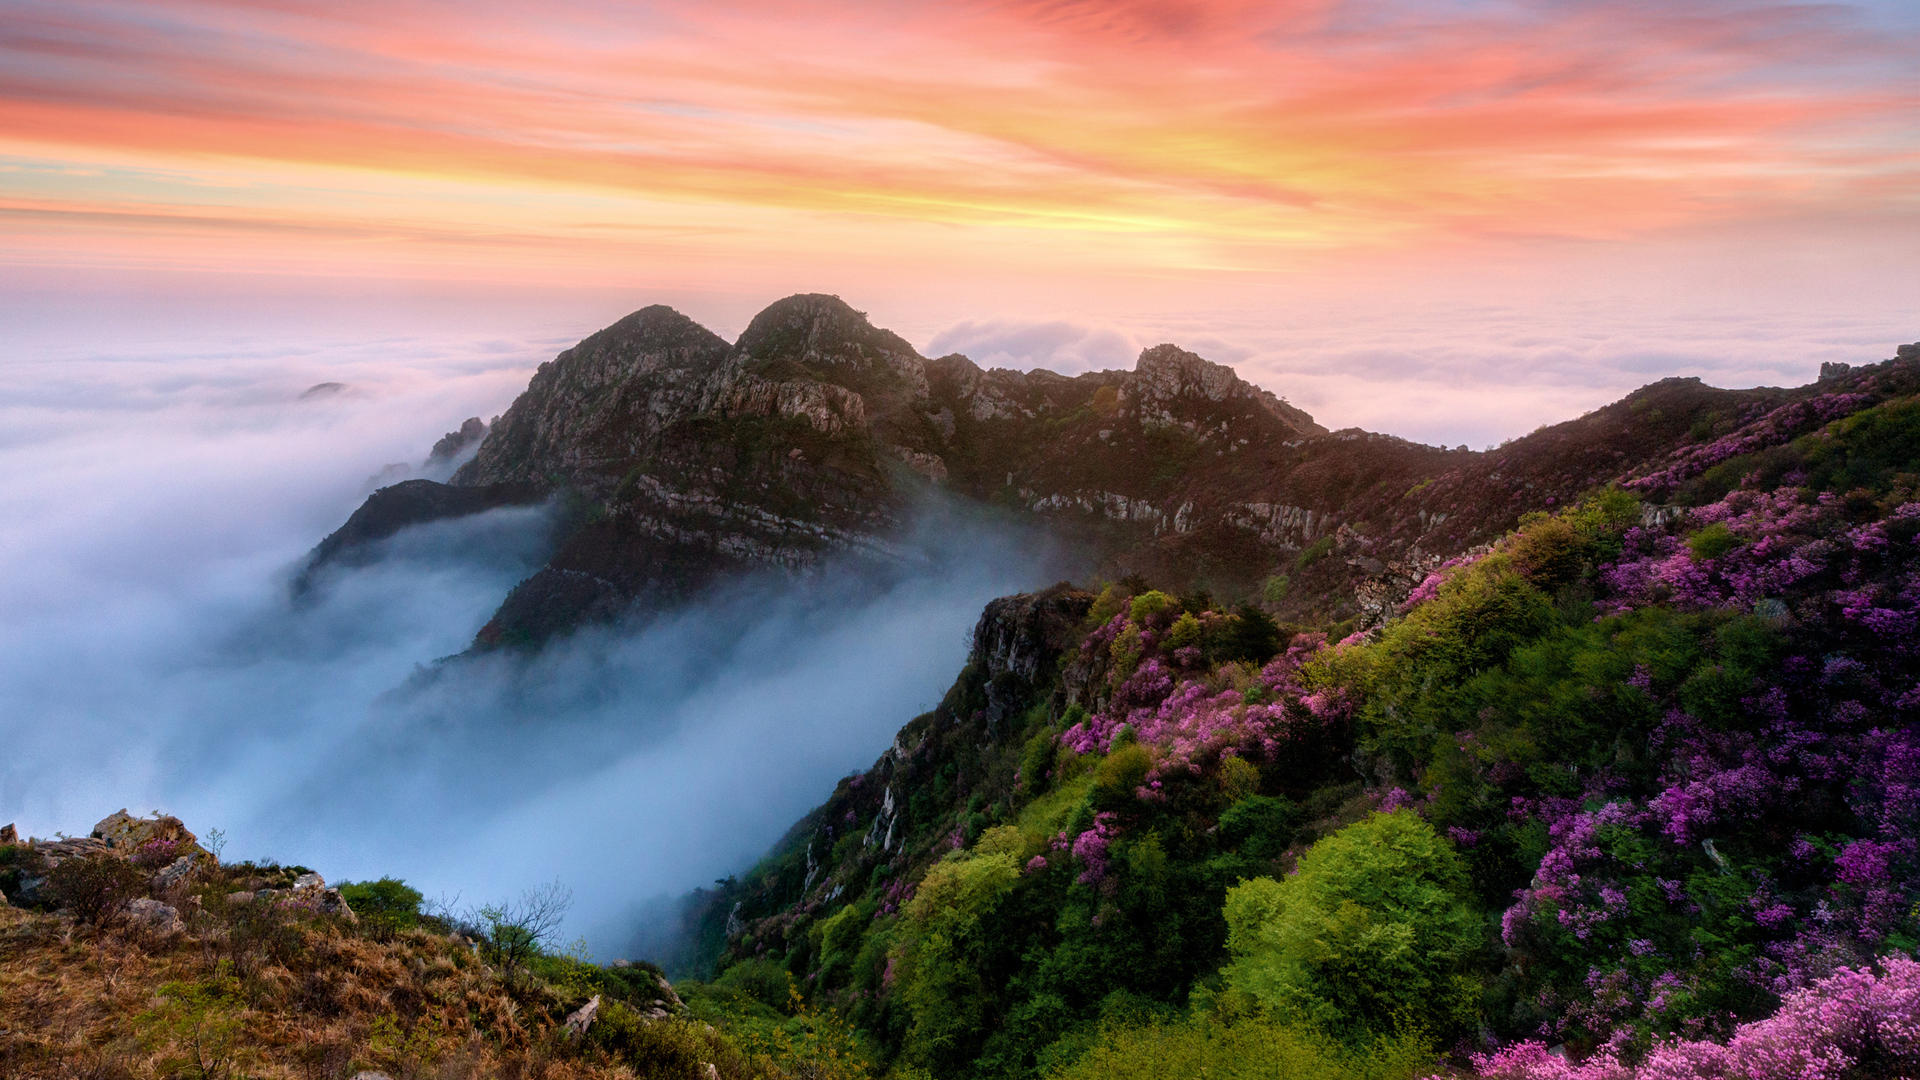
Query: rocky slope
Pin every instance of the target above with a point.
(675, 459)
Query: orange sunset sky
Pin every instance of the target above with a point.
(1283, 182)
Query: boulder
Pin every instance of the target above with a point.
(153, 915)
(78, 847)
(581, 1019)
(309, 880)
(27, 892)
(8, 834)
(666, 989)
(332, 903)
(175, 872)
(242, 897)
(125, 833)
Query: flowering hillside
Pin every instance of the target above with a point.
(1632, 792)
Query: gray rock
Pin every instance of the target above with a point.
(29, 893)
(8, 834)
(618, 964)
(174, 872)
(78, 847)
(309, 881)
(242, 897)
(369, 1074)
(156, 916)
(581, 1019)
(124, 832)
(666, 989)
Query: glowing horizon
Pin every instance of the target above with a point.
(1200, 137)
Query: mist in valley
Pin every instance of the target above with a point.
(150, 656)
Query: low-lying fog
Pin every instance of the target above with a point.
(158, 496)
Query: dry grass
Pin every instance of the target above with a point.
(112, 1002)
(252, 990)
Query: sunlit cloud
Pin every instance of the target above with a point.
(1205, 135)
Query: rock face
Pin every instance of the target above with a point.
(1020, 637)
(680, 458)
(126, 834)
(119, 835)
(674, 459)
(155, 917)
(453, 443)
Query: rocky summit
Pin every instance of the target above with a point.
(675, 460)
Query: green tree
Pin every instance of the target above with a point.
(941, 982)
(1373, 932)
(388, 904)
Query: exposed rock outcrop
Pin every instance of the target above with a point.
(675, 460)
(453, 443)
(1019, 639)
(155, 917)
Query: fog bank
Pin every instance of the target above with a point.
(149, 657)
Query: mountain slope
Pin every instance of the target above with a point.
(675, 460)
(1665, 755)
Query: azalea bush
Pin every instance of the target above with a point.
(1852, 1023)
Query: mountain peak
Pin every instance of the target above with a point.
(820, 336)
(1169, 382)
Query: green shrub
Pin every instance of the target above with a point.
(1111, 601)
(94, 889)
(1238, 779)
(938, 976)
(1274, 589)
(669, 1049)
(386, 904)
(1036, 760)
(1373, 930)
(199, 1028)
(838, 938)
(1119, 774)
(1248, 636)
(1712, 542)
(1549, 552)
(1150, 604)
(1252, 1048)
(1313, 553)
(1185, 631)
(761, 980)
(1259, 826)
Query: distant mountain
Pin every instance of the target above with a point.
(676, 459)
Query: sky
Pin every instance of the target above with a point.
(1500, 211)
(1451, 220)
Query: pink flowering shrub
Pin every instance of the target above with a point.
(1853, 1022)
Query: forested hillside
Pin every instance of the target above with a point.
(1637, 779)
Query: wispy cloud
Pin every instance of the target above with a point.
(1202, 134)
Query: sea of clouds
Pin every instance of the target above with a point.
(165, 474)
(165, 469)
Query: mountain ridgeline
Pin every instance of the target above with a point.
(676, 460)
(1351, 752)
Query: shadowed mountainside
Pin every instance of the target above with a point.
(674, 459)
